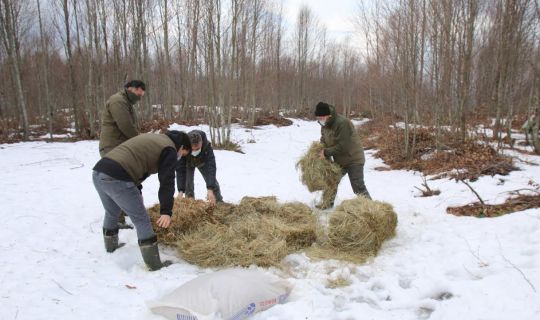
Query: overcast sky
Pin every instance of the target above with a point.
(336, 15)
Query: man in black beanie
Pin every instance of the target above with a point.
(117, 177)
(342, 145)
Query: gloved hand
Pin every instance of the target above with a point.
(211, 197)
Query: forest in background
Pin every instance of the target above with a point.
(438, 63)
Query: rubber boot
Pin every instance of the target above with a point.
(122, 224)
(150, 254)
(110, 238)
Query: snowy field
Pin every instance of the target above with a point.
(53, 264)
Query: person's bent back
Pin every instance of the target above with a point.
(117, 177)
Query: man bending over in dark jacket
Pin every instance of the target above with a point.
(202, 158)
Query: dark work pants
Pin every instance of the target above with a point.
(190, 183)
(356, 177)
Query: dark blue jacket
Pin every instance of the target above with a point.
(205, 162)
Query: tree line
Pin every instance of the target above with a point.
(437, 62)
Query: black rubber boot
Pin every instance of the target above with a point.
(110, 238)
(150, 254)
(122, 224)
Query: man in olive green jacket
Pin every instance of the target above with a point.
(118, 120)
(119, 123)
(117, 177)
(342, 144)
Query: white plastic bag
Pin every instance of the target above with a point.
(230, 294)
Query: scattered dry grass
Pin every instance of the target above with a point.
(338, 282)
(453, 158)
(267, 119)
(514, 204)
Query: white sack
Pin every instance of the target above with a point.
(230, 294)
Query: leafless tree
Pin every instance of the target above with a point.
(9, 13)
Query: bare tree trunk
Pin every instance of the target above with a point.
(90, 84)
(8, 34)
(278, 58)
(469, 13)
(45, 71)
(253, 48)
(168, 94)
(72, 78)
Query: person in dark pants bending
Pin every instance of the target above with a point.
(201, 157)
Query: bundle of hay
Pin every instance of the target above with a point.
(242, 243)
(357, 229)
(188, 214)
(261, 205)
(258, 231)
(316, 173)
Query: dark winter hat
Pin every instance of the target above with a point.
(135, 84)
(322, 109)
(180, 139)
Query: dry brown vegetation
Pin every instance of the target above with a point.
(257, 231)
(318, 174)
(448, 157)
(456, 159)
(263, 231)
(277, 120)
(356, 230)
(514, 204)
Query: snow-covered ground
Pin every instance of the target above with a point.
(53, 264)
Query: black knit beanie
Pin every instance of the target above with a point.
(180, 139)
(322, 109)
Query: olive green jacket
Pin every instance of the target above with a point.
(341, 141)
(118, 122)
(140, 156)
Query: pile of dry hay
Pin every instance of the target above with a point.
(258, 231)
(356, 230)
(316, 173)
(262, 231)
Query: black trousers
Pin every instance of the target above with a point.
(190, 183)
(356, 177)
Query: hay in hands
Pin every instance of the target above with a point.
(356, 230)
(318, 174)
(258, 231)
